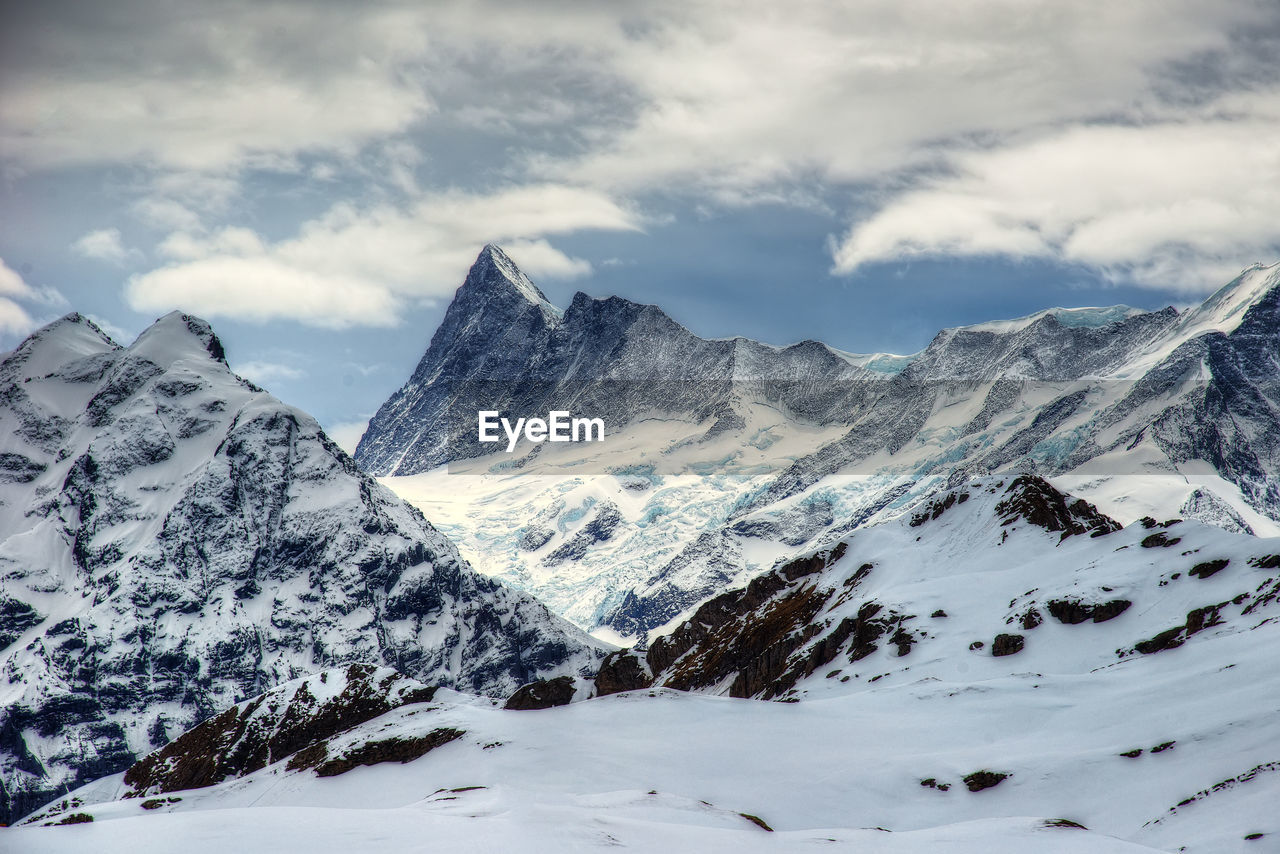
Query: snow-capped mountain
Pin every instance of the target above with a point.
(1144, 413)
(173, 539)
(1002, 650)
(502, 346)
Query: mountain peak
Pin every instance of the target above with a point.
(73, 325)
(1224, 310)
(70, 337)
(495, 272)
(178, 336)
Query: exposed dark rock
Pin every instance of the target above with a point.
(764, 639)
(1203, 618)
(979, 780)
(937, 507)
(1109, 610)
(622, 671)
(269, 728)
(543, 694)
(15, 618)
(1198, 619)
(1039, 503)
(1208, 568)
(1007, 645)
(600, 529)
(535, 537)
(1159, 540)
(1073, 611)
(1168, 639)
(388, 750)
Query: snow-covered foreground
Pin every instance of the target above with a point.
(667, 771)
(619, 820)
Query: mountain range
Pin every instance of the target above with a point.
(723, 455)
(1029, 571)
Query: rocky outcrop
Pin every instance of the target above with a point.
(543, 694)
(623, 670)
(273, 726)
(1034, 500)
(1075, 611)
(1007, 644)
(761, 641)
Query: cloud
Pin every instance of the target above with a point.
(741, 105)
(14, 319)
(103, 245)
(540, 259)
(265, 373)
(363, 267)
(206, 89)
(1179, 203)
(908, 108)
(347, 433)
(118, 334)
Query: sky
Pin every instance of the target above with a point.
(314, 178)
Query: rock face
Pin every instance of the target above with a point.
(173, 540)
(297, 716)
(503, 347)
(543, 694)
(1097, 393)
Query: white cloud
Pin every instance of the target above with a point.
(355, 267)
(347, 433)
(116, 333)
(225, 86)
(14, 319)
(11, 283)
(104, 244)
(740, 105)
(265, 373)
(166, 214)
(541, 260)
(1179, 204)
(725, 102)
